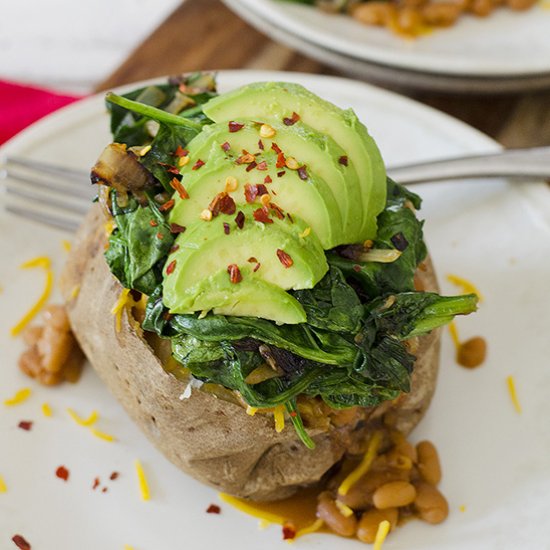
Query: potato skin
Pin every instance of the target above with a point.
(210, 439)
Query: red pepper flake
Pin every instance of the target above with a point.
(104, 490)
(114, 476)
(343, 160)
(261, 145)
(276, 148)
(153, 223)
(262, 215)
(160, 236)
(281, 174)
(239, 219)
(293, 414)
(62, 473)
(262, 166)
(292, 120)
(95, 484)
(175, 248)
(171, 169)
(289, 531)
(251, 166)
(284, 258)
(356, 268)
(167, 205)
(302, 173)
(20, 542)
(176, 184)
(256, 267)
(222, 202)
(235, 126)
(180, 152)
(25, 425)
(226, 228)
(251, 192)
(267, 179)
(234, 273)
(213, 509)
(246, 158)
(290, 218)
(167, 316)
(171, 267)
(176, 228)
(281, 161)
(198, 164)
(279, 212)
(225, 146)
(252, 260)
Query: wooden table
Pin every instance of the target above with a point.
(204, 34)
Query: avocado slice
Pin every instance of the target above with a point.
(261, 250)
(318, 152)
(251, 297)
(305, 196)
(275, 101)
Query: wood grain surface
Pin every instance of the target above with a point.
(204, 34)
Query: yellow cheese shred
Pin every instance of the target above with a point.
(46, 410)
(315, 526)
(345, 510)
(142, 480)
(381, 534)
(3, 486)
(19, 397)
(251, 411)
(279, 417)
(45, 263)
(90, 421)
(513, 394)
(245, 507)
(66, 245)
(75, 291)
(462, 508)
(102, 435)
(128, 547)
(124, 299)
(364, 466)
(466, 286)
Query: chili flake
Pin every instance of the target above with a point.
(289, 121)
(239, 219)
(284, 258)
(246, 158)
(176, 184)
(276, 148)
(104, 490)
(281, 174)
(226, 228)
(252, 260)
(114, 476)
(256, 267)
(343, 160)
(235, 126)
(225, 146)
(170, 168)
(262, 215)
(25, 425)
(160, 236)
(356, 268)
(167, 205)
(289, 531)
(293, 414)
(251, 192)
(234, 273)
(302, 173)
(251, 166)
(153, 223)
(198, 164)
(267, 179)
(261, 145)
(290, 218)
(262, 166)
(180, 151)
(62, 473)
(213, 509)
(281, 161)
(176, 228)
(171, 267)
(20, 542)
(174, 248)
(223, 203)
(95, 484)
(278, 210)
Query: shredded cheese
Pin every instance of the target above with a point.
(90, 421)
(75, 291)
(46, 410)
(66, 245)
(305, 233)
(513, 394)
(363, 467)
(462, 508)
(279, 417)
(102, 435)
(251, 411)
(45, 263)
(381, 534)
(345, 510)
(19, 397)
(128, 547)
(124, 299)
(245, 507)
(3, 486)
(454, 335)
(142, 480)
(466, 286)
(315, 526)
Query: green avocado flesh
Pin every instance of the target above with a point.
(274, 101)
(209, 247)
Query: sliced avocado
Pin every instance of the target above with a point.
(208, 247)
(275, 101)
(251, 297)
(318, 152)
(300, 194)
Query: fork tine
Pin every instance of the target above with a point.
(76, 190)
(70, 174)
(39, 198)
(46, 219)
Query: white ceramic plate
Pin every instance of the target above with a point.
(506, 44)
(496, 462)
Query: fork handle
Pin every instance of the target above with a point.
(528, 163)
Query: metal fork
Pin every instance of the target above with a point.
(66, 193)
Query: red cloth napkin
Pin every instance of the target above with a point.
(21, 105)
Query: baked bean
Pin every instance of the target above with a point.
(409, 19)
(369, 522)
(428, 462)
(481, 8)
(472, 353)
(430, 504)
(442, 14)
(402, 446)
(394, 494)
(520, 5)
(374, 13)
(398, 460)
(331, 515)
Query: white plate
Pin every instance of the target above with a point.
(496, 462)
(506, 44)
